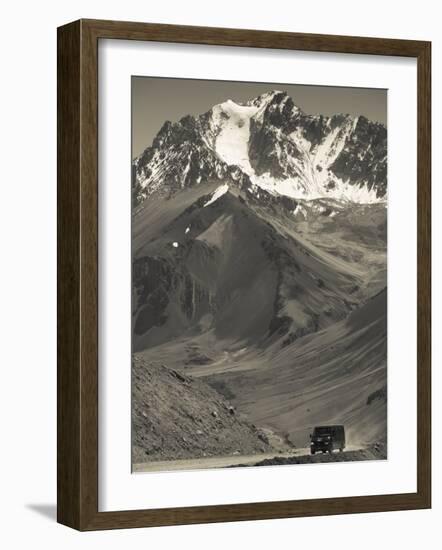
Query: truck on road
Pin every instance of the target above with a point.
(327, 439)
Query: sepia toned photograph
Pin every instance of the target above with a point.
(259, 274)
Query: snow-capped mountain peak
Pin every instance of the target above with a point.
(271, 143)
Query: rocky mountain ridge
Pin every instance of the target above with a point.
(267, 143)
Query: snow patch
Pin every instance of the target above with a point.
(219, 192)
(300, 210)
(175, 244)
(361, 193)
(318, 208)
(184, 174)
(232, 123)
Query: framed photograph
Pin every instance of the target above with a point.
(243, 275)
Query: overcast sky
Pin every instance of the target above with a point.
(155, 100)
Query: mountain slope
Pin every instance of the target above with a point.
(241, 270)
(334, 376)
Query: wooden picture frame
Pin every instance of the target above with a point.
(78, 274)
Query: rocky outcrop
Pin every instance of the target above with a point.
(175, 416)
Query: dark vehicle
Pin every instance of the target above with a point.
(327, 438)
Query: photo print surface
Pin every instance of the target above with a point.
(259, 274)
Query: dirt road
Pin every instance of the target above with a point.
(297, 455)
(210, 462)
